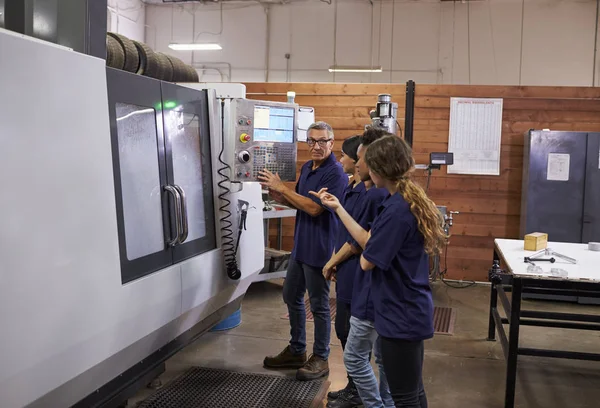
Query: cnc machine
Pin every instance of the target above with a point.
(119, 223)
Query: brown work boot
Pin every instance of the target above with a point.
(314, 368)
(285, 359)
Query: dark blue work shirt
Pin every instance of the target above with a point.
(400, 280)
(351, 201)
(362, 302)
(314, 237)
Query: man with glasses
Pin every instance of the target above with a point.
(314, 238)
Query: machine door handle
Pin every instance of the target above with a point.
(184, 215)
(177, 199)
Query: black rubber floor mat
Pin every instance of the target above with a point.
(212, 388)
(443, 320)
(309, 315)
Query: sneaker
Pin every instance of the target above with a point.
(314, 368)
(285, 359)
(347, 399)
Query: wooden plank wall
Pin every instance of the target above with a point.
(489, 205)
(344, 106)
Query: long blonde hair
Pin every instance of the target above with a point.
(391, 158)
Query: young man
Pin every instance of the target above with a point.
(362, 337)
(314, 237)
(343, 263)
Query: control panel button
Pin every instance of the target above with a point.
(247, 174)
(241, 122)
(244, 156)
(244, 138)
(248, 122)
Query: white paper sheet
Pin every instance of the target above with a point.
(306, 117)
(475, 135)
(558, 166)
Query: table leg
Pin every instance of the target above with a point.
(493, 306)
(513, 344)
(266, 225)
(280, 234)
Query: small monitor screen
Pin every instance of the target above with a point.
(273, 124)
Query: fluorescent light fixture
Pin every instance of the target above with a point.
(339, 68)
(195, 47)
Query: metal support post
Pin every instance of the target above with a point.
(409, 112)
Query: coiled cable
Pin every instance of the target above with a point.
(227, 239)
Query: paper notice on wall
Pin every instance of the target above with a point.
(558, 166)
(475, 135)
(306, 117)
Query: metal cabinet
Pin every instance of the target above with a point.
(561, 185)
(162, 172)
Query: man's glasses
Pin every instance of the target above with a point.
(321, 142)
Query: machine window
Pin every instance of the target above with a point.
(188, 157)
(140, 181)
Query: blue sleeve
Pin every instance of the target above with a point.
(366, 215)
(365, 218)
(335, 182)
(387, 236)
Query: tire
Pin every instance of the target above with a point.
(115, 57)
(149, 63)
(179, 69)
(192, 74)
(132, 58)
(167, 67)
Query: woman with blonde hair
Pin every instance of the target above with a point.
(396, 252)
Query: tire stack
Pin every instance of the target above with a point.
(136, 57)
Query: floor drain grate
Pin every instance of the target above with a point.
(212, 388)
(443, 320)
(309, 315)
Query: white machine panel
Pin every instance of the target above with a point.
(69, 324)
(62, 306)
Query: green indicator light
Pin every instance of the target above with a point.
(170, 104)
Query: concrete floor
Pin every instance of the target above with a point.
(462, 371)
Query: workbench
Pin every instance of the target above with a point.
(510, 273)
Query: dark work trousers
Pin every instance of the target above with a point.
(342, 321)
(403, 365)
(342, 327)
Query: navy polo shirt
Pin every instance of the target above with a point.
(314, 237)
(351, 201)
(400, 280)
(362, 302)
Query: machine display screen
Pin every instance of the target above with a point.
(273, 124)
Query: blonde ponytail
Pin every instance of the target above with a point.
(426, 213)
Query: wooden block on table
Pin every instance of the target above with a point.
(536, 241)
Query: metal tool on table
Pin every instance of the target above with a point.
(551, 253)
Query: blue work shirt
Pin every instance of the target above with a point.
(351, 201)
(400, 279)
(314, 237)
(362, 302)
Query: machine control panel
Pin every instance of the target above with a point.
(265, 137)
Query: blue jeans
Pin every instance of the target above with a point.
(299, 278)
(361, 340)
